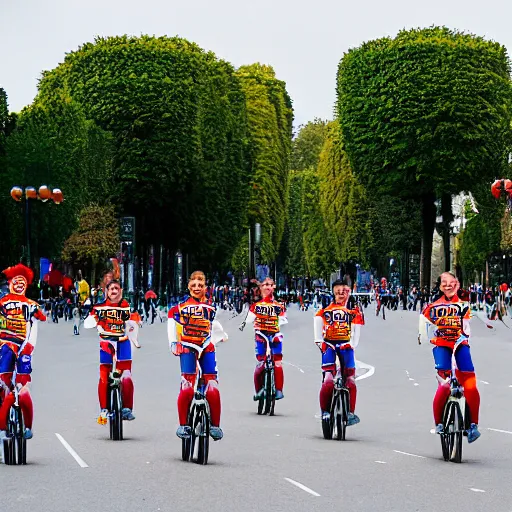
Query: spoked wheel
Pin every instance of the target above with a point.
(261, 405)
(203, 435)
(116, 416)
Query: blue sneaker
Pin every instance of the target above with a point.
(353, 419)
(184, 432)
(439, 428)
(128, 414)
(216, 433)
(28, 434)
(326, 416)
(473, 433)
(279, 395)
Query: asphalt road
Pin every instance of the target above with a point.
(390, 461)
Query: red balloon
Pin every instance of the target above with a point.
(496, 188)
(16, 193)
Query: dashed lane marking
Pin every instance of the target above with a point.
(498, 430)
(476, 490)
(75, 455)
(410, 454)
(302, 486)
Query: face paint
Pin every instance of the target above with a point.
(114, 292)
(197, 288)
(18, 285)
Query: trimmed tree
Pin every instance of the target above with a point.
(269, 122)
(177, 115)
(426, 115)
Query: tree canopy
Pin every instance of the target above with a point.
(426, 114)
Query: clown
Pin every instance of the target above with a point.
(337, 328)
(19, 317)
(267, 315)
(191, 324)
(446, 324)
(110, 318)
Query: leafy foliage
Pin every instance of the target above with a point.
(426, 114)
(269, 119)
(483, 232)
(318, 242)
(343, 201)
(307, 146)
(177, 116)
(96, 237)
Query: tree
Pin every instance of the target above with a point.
(424, 116)
(318, 242)
(269, 121)
(307, 145)
(343, 201)
(294, 260)
(177, 116)
(484, 233)
(96, 237)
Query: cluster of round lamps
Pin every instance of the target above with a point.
(43, 194)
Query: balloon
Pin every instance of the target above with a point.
(496, 189)
(30, 193)
(57, 196)
(16, 193)
(44, 193)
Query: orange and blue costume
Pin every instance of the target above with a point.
(339, 327)
(18, 335)
(447, 323)
(190, 325)
(110, 319)
(267, 315)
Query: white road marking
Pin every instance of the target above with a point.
(295, 366)
(498, 430)
(75, 455)
(484, 382)
(380, 462)
(416, 384)
(301, 486)
(369, 367)
(410, 454)
(476, 490)
(410, 378)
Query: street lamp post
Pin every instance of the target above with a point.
(30, 193)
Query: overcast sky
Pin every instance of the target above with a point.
(302, 40)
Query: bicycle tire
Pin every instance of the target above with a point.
(327, 428)
(203, 445)
(261, 405)
(186, 444)
(453, 428)
(20, 441)
(383, 307)
(116, 416)
(8, 446)
(268, 390)
(345, 407)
